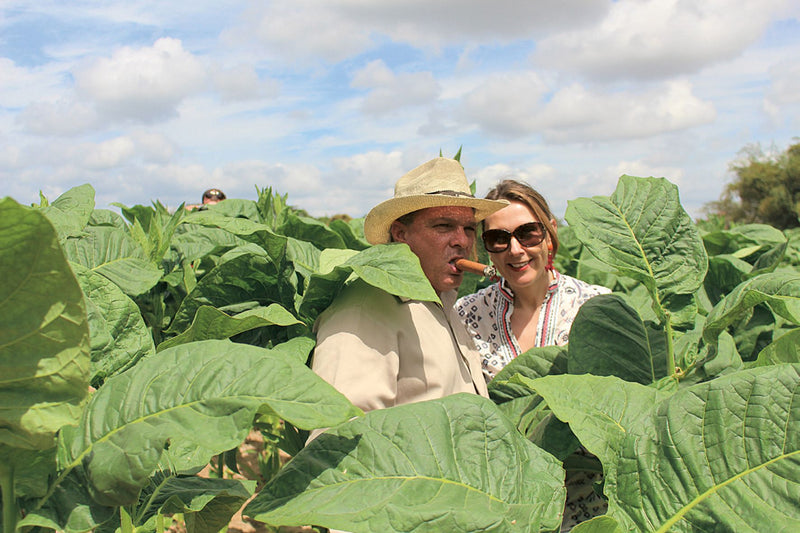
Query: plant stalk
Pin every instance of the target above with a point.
(671, 369)
(10, 511)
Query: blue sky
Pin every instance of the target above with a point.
(330, 101)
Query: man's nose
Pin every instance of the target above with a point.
(462, 237)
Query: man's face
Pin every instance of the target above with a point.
(439, 236)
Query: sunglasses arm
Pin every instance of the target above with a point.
(487, 271)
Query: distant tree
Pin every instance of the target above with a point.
(766, 189)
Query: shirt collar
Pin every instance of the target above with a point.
(508, 293)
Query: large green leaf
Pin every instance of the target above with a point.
(235, 208)
(310, 230)
(534, 363)
(44, 333)
(785, 349)
(106, 217)
(193, 241)
(609, 338)
(70, 212)
(119, 336)
(606, 405)
(743, 240)
(200, 398)
(70, 508)
(250, 276)
(454, 464)
(352, 232)
(304, 256)
(725, 272)
(207, 505)
(780, 290)
(114, 254)
(717, 456)
(391, 267)
(211, 323)
(643, 232)
(273, 244)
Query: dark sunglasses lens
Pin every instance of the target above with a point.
(530, 234)
(496, 240)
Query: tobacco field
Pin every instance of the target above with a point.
(136, 349)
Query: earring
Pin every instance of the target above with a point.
(549, 265)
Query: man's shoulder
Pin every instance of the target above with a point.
(362, 295)
(359, 305)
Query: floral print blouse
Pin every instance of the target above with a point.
(487, 315)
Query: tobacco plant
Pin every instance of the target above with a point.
(136, 348)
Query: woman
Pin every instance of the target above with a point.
(532, 305)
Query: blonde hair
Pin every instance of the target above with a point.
(517, 191)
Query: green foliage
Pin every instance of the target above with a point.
(680, 382)
(469, 471)
(688, 461)
(766, 189)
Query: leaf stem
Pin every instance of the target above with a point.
(671, 369)
(10, 511)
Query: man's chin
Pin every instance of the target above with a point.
(449, 283)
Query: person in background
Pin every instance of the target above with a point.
(210, 197)
(532, 305)
(213, 196)
(381, 350)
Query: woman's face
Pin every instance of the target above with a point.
(520, 265)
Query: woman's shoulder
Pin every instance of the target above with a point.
(478, 298)
(570, 284)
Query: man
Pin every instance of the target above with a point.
(380, 350)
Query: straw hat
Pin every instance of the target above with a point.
(440, 182)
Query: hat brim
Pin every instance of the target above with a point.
(379, 220)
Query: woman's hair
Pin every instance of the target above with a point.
(517, 191)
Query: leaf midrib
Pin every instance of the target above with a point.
(713, 490)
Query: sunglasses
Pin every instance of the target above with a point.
(498, 240)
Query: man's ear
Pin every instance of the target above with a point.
(398, 231)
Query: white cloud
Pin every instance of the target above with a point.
(422, 23)
(507, 104)
(520, 105)
(19, 86)
(644, 169)
(291, 30)
(391, 92)
(334, 30)
(110, 153)
(575, 114)
(487, 177)
(153, 147)
(61, 118)
(241, 83)
(374, 170)
(784, 90)
(144, 84)
(659, 38)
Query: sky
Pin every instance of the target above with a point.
(331, 101)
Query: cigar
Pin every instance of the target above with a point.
(487, 271)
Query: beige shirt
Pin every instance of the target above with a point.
(380, 350)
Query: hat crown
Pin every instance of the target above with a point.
(439, 175)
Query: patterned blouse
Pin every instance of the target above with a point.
(487, 315)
